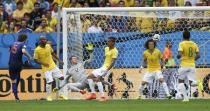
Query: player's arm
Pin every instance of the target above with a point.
(197, 56)
(180, 50)
(90, 51)
(56, 57)
(25, 52)
(143, 63)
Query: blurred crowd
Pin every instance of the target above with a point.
(28, 16)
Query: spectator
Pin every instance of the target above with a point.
(51, 21)
(86, 4)
(94, 28)
(187, 3)
(93, 3)
(129, 3)
(164, 3)
(13, 27)
(10, 6)
(180, 2)
(44, 5)
(157, 3)
(114, 3)
(43, 28)
(24, 27)
(137, 3)
(27, 18)
(121, 4)
(108, 4)
(36, 14)
(55, 10)
(118, 23)
(3, 14)
(19, 12)
(28, 5)
(85, 23)
(3, 27)
(74, 3)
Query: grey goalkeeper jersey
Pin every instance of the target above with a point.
(77, 72)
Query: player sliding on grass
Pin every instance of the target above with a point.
(188, 53)
(97, 75)
(17, 49)
(78, 74)
(44, 55)
(152, 57)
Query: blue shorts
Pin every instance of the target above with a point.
(14, 72)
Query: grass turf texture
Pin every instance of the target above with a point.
(111, 105)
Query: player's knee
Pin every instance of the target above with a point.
(161, 80)
(143, 83)
(61, 78)
(193, 83)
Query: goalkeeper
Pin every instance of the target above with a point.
(78, 74)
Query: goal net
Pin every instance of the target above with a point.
(132, 27)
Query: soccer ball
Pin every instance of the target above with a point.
(156, 37)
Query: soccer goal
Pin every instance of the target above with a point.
(132, 27)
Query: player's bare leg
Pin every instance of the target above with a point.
(165, 87)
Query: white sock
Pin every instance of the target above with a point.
(193, 89)
(48, 89)
(141, 88)
(182, 89)
(165, 87)
(72, 87)
(100, 88)
(91, 85)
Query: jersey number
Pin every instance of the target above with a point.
(190, 52)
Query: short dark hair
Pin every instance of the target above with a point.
(36, 3)
(146, 45)
(186, 35)
(27, 14)
(72, 57)
(19, 3)
(112, 38)
(1, 4)
(22, 37)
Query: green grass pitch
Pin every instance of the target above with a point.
(111, 105)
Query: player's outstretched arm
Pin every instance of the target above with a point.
(25, 52)
(56, 57)
(89, 48)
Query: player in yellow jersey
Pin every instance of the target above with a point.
(97, 75)
(152, 57)
(44, 55)
(188, 53)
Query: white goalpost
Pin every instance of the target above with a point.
(132, 26)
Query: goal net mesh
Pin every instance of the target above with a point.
(131, 29)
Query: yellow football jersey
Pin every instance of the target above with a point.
(188, 49)
(153, 60)
(109, 55)
(44, 55)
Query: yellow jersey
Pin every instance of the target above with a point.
(188, 49)
(109, 55)
(153, 60)
(45, 55)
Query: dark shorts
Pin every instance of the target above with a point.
(14, 71)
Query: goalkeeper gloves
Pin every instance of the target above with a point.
(89, 47)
